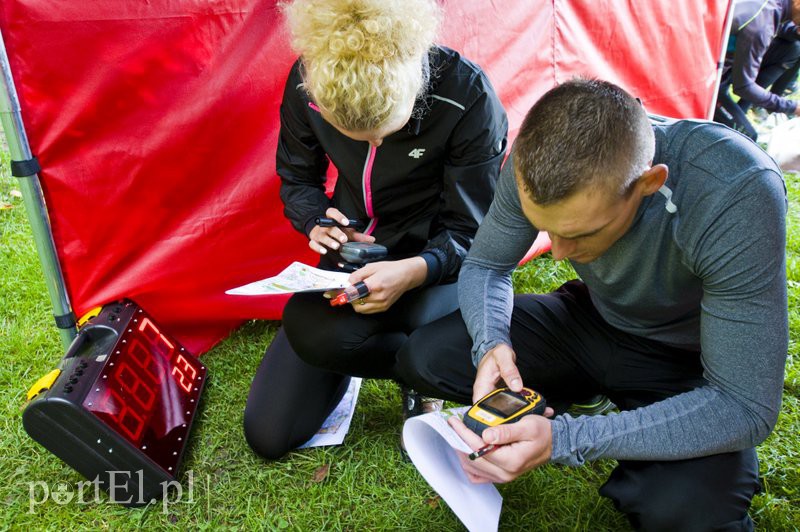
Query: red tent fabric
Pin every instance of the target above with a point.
(156, 124)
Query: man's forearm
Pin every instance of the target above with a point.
(486, 299)
(701, 422)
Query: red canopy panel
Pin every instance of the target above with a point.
(156, 125)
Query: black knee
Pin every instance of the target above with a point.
(414, 365)
(435, 360)
(686, 511)
(706, 493)
(266, 441)
(310, 340)
(687, 514)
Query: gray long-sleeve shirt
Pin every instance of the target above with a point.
(711, 276)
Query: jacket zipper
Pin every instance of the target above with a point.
(366, 186)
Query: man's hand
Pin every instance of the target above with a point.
(526, 445)
(498, 363)
(387, 281)
(323, 238)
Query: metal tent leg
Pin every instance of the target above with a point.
(34, 202)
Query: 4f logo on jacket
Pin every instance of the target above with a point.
(416, 153)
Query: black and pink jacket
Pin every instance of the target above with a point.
(425, 190)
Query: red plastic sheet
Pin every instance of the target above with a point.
(156, 125)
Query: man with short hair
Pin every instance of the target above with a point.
(677, 231)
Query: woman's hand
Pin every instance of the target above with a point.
(323, 238)
(387, 281)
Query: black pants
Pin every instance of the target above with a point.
(307, 367)
(567, 351)
(779, 67)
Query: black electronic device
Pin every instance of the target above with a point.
(362, 252)
(120, 406)
(503, 406)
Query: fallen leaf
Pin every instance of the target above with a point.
(4, 205)
(15, 193)
(321, 474)
(433, 502)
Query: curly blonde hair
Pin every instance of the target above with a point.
(362, 58)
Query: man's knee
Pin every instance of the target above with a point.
(689, 510)
(709, 493)
(435, 359)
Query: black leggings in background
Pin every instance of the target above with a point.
(779, 68)
(307, 367)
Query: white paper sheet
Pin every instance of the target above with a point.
(337, 425)
(298, 277)
(430, 443)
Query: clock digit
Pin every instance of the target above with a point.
(186, 383)
(135, 386)
(154, 335)
(126, 419)
(144, 360)
(126, 416)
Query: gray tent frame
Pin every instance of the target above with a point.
(34, 201)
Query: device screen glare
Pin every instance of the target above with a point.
(505, 403)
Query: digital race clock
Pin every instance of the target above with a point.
(121, 404)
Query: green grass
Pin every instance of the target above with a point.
(368, 485)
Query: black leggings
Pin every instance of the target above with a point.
(567, 351)
(778, 69)
(307, 367)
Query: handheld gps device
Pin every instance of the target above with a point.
(503, 406)
(356, 254)
(362, 252)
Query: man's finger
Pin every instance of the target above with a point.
(510, 374)
(474, 441)
(484, 383)
(524, 429)
(474, 471)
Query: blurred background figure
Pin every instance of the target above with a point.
(762, 61)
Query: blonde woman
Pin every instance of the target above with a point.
(417, 136)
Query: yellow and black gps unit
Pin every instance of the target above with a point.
(503, 406)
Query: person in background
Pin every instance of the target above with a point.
(677, 230)
(781, 64)
(763, 51)
(417, 136)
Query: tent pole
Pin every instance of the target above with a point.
(34, 201)
(726, 31)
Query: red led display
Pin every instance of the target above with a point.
(147, 391)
